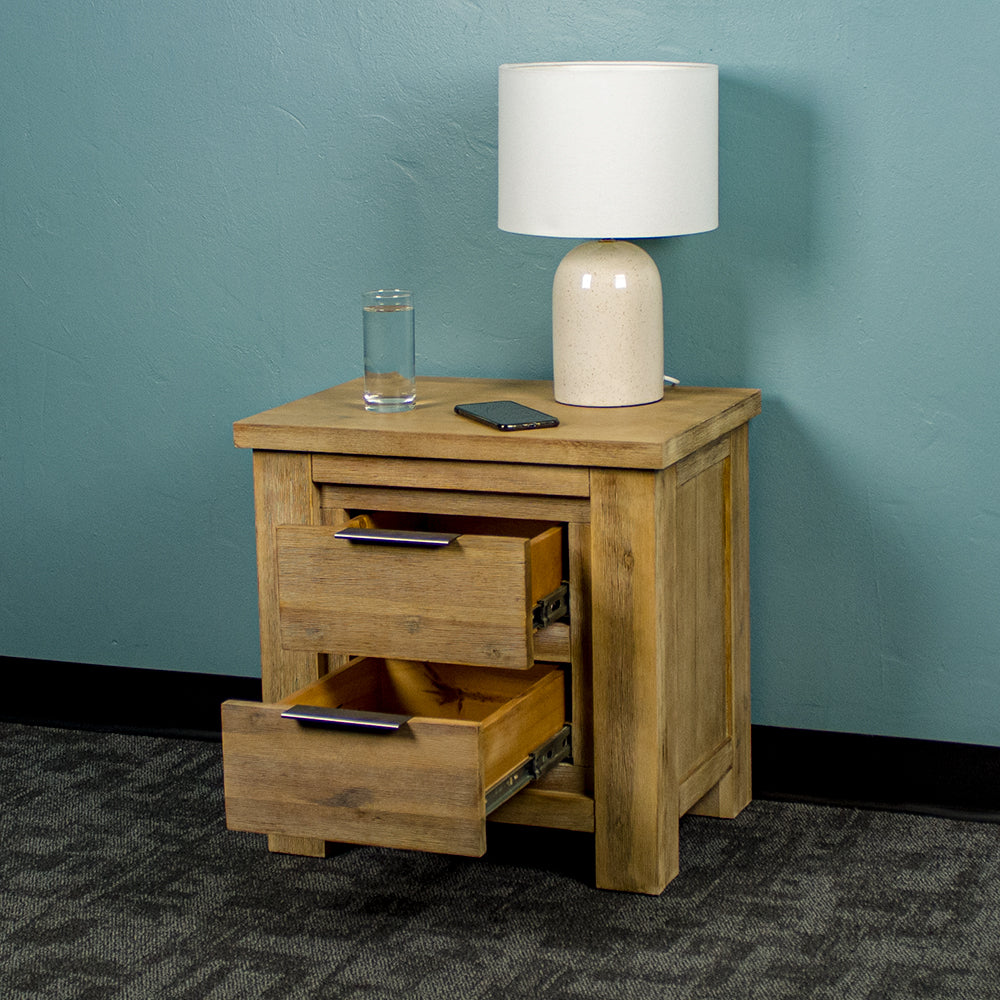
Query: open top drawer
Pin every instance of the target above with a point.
(393, 753)
(468, 601)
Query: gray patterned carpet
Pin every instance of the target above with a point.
(119, 880)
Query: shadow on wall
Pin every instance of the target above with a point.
(765, 240)
(842, 633)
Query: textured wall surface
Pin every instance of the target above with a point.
(192, 195)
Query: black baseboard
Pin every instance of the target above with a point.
(960, 780)
(876, 772)
(119, 699)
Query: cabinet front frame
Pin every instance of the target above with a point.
(624, 534)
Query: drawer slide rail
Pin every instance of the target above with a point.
(551, 608)
(549, 754)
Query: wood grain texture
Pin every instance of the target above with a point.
(422, 787)
(633, 529)
(702, 615)
(468, 602)
(652, 436)
(654, 504)
(284, 493)
(552, 809)
(448, 502)
(734, 791)
(705, 777)
(581, 708)
(552, 644)
(560, 800)
(440, 474)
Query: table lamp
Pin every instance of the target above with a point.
(603, 151)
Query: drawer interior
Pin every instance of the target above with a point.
(422, 785)
(414, 688)
(446, 693)
(549, 558)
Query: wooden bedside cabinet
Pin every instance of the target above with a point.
(571, 652)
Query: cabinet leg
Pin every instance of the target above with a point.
(633, 615)
(280, 843)
(284, 494)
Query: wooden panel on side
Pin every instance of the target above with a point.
(283, 494)
(695, 464)
(702, 616)
(546, 573)
(696, 785)
(733, 792)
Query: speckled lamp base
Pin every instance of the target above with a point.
(607, 326)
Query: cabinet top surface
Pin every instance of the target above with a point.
(651, 436)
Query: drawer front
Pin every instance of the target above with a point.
(421, 786)
(468, 602)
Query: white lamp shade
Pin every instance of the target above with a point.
(608, 149)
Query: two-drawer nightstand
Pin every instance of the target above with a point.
(434, 682)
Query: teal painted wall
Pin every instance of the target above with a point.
(192, 196)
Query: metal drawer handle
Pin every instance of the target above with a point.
(386, 536)
(347, 718)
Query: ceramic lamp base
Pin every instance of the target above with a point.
(607, 326)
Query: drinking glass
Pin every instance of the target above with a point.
(390, 370)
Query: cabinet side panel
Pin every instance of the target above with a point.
(733, 792)
(702, 619)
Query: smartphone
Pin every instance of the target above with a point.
(506, 415)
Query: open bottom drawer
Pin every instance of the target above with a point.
(454, 736)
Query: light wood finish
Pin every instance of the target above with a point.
(415, 473)
(422, 787)
(696, 463)
(283, 494)
(634, 622)
(631, 437)
(706, 776)
(702, 621)
(559, 800)
(653, 501)
(470, 601)
(552, 644)
(581, 652)
(733, 792)
(481, 503)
